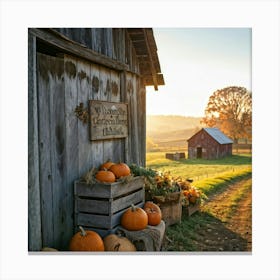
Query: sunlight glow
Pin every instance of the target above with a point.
(195, 62)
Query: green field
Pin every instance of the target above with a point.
(212, 177)
(199, 169)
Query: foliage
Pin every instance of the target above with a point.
(230, 109)
(193, 195)
(156, 182)
(159, 183)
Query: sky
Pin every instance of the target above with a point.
(195, 62)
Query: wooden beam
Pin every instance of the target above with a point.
(34, 202)
(151, 61)
(71, 47)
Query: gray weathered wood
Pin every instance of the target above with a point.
(141, 90)
(84, 93)
(72, 144)
(124, 98)
(45, 171)
(96, 146)
(69, 46)
(126, 201)
(58, 150)
(92, 206)
(102, 221)
(109, 206)
(34, 205)
(108, 190)
(133, 119)
(61, 150)
(118, 148)
(105, 94)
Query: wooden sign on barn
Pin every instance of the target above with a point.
(86, 104)
(107, 120)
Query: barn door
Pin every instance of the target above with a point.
(198, 152)
(56, 198)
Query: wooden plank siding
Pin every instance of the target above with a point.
(34, 224)
(202, 145)
(60, 151)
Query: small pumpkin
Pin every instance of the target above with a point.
(86, 240)
(105, 176)
(113, 242)
(120, 169)
(134, 218)
(106, 165)
(154, 213)
(193, 195)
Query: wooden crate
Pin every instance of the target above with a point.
(171, 208)
(99, 207)
(171, 213)
(175, 156)
(191, 209)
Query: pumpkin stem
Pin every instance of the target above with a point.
(133, 207)
(83, 233)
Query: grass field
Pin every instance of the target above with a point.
(218, 227)
(199, 169)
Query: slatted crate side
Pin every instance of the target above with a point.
(102, 221)
(127, 187)
(106, 190)
(92, 206)
(171, 213)
(126, 201)
(191, 209)
(109, 206)
(100, 231)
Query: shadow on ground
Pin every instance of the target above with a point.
(203, 232)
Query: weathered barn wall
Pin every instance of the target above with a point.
(58, 83)
(209, 147)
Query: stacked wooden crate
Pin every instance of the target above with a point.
(99, 206)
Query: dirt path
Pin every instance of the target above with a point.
(229, 216)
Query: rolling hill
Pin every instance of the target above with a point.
(162, 128)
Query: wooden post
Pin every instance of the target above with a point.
(34, 213)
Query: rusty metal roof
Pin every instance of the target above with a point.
(146, 51)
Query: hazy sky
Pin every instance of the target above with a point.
(195, 62)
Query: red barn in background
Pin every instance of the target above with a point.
(209, 143)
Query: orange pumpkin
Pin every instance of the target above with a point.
(106, 165)
(86, 240)
(120, 169)
(154, 213)
(105, 176)
(134, 218)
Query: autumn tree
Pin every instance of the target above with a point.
(230, 109)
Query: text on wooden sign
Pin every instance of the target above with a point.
(107, 120)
